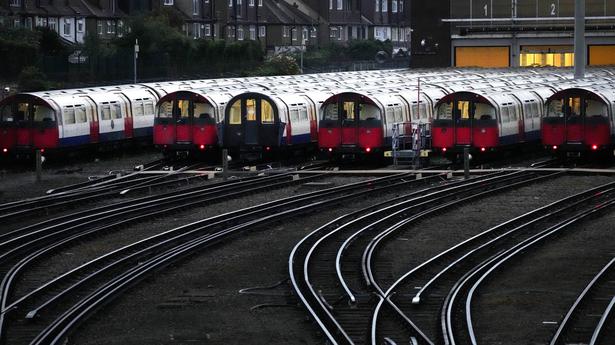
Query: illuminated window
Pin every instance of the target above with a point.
(445, 111)
(165, 110)
(183, 106)
(555, 56)
(463, 109)
(348, 111)
(266, 112)
(250, 109)
(235, 113)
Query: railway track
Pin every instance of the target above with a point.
(332, 268)
(135, 261)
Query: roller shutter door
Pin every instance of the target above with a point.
(482, 56)
(601, 55)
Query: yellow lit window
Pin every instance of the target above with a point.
(250, 109)
(235, 113)
(547, 59)
(184, 108)
(266, 112)
(463, 108)
(348, 111)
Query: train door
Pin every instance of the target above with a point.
(23, 119)
(183, 121)
(574, 120)
(349, 121)
(111, 122)
(251, 120)
(126, 109)
(521, 114)
(463, 115)
(92, 115)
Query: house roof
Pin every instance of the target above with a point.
(280, 12)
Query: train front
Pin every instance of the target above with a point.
(185, 123)
(465, 119)
(27, 123)
(577, 121)
(253, 125)
(351, 123)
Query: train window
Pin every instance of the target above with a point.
(183, 105)
(22, 112)
(294, 115)
(368, 112)
(483, 111)
(6, 113)
(555, 108)
(148, 109)
(595, 108)
(42, 113)
(235, 113)
(250, 109)
(463, 109)
(330, 112)
(203, 110)
(303, 114)
(165, 110)
(137, 109)
(116, 111)
(504, 114)
(574, 106)
(398, 115)
(106, 112)
(390, 115)
(69, 116)
(266, 112)
(445, 111)
(348, 111)
(80, 116)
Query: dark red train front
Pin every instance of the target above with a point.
(186, 122)
(465, 119)
(351, 123)
(577, 120)
(27, 122)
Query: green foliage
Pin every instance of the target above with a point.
(279, 65)
(356, 50)
(32, 79)
(51, 44)
(18, 48)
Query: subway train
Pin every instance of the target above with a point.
(579, 118)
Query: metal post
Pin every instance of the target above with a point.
(39, 166)
(580, 50)
(466, 162)
(302, 48)
(136, 57)
(224, 164)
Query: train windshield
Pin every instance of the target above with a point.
(26, 112)
(574, 107)
(368, 112)
(465, 110)
(165, 110)
(331, 112)
(266, 112)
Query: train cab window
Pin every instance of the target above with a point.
(69, 116)
(444, 111)
(595, 108)
(235, 113)
(250, 109)
(368, 112)
(165, 110)
(43, 113)
(574, 106)
(330, 112)
(266, 112)
(203, 110)
(183, 106)
(348, 111)
(484, 111)
(22, 112)
(556, 108)
(6, 113)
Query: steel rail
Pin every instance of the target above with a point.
(61, 325)
(565, 322)
(373, 245)
(518, 248)
(600, 327)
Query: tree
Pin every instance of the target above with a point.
(279, 65)
(32, 79)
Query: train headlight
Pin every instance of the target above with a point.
(202, 147)
(482, 149)
(329, 131)
(444, 149)
(482, 130)
(5, 150)
(368, 131)
(368, 149)
(330, 149)
(594, 147)
(554, 147)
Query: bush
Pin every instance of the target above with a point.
(279, 65)
(32, 79)
(18, 48)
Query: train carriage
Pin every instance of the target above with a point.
(488, 120)
(580, 119)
